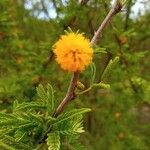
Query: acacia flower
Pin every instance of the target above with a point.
(73, 52)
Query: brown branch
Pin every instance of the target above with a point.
(70, 93)
(124, 60)
(69, 96)
(114, 10)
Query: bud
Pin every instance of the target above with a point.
(117, 115)
(103, 85)
(121, 136)
(19, 60)
(80, 85)
(36, 79)
(123, 40)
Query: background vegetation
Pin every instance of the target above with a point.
(120, 116)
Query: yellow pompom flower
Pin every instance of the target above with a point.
(73, 52)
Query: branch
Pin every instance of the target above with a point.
(114, 10)
(70, 93)
(124, 60)
(69, 96)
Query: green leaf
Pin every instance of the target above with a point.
(70, 114)
(4, 146)
(53, 141)
(98, 50)
(102, 85)
(50, 99)
(110, 66)
(6, 116)
(30, 105)
(77, 146)
(39, 133)
(19, 135)
(15, 104)
(35, 118)
(77, 126)
(47, 97)
(93, 72)
(71, 127)
(17, 145)
(41, 93)
(9, 122)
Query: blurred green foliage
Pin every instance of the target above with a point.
(120, 116)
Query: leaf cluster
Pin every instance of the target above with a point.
(30, 122)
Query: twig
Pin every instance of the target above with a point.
(124, 60)
(114, 10)
(70, 93)
(69, 96)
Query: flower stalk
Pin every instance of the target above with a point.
(69, 96)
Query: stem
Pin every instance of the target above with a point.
(85, 91)
(114, 10)
(124, 60)
(69, 96)
(70, 93)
